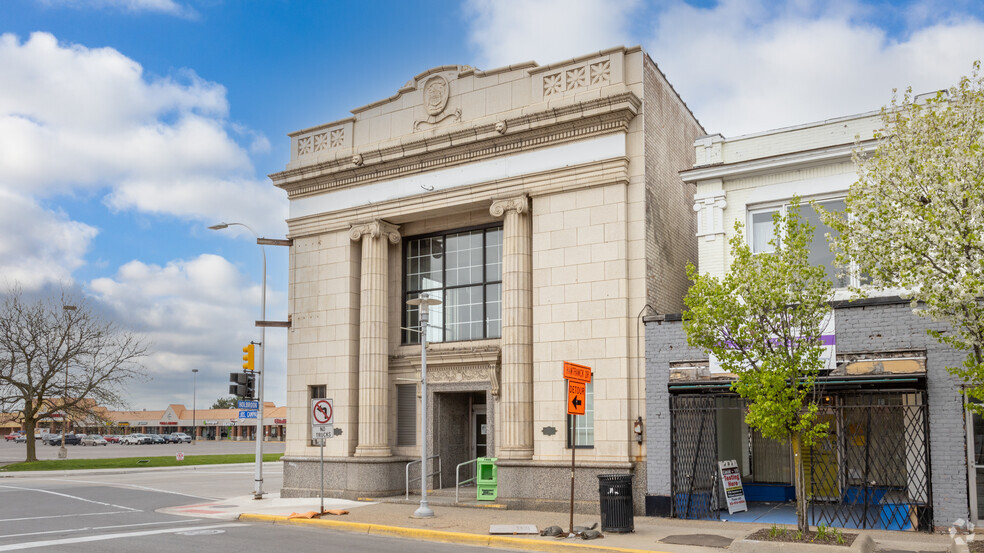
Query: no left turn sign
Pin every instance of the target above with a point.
(321, 411)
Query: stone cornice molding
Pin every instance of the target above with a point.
(574, 177)
(375, 229)
(565, 121)
(520, 205)
(775, 164)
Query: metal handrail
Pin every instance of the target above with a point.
(457, 477)
(440, 479)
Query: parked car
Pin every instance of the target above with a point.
(177, 438)
(22, 439)
(12, 436)
(70, 439)
(157, 439)
(94, 439)
(135, 439)
(112, 438)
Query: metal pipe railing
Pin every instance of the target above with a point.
(457, 477)
(440, 479)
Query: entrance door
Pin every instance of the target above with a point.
(480, 432)
(976, 463)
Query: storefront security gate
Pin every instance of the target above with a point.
(693, 426)
(871, 471)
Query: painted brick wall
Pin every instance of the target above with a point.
(861, 327)
(665, 342)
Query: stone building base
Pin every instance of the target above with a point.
(546, 486)
(525, 485)
(345, 477)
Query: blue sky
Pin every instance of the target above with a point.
(128, 126)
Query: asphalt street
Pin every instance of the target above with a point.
(110, 513)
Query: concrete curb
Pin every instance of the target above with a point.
(440, 535)
(77, 472)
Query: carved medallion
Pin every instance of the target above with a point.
(436, 93)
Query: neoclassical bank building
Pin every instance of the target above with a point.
(542, 205)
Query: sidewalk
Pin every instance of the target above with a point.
(470, 526)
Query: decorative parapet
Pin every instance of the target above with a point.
(578, 75)
(331, 138)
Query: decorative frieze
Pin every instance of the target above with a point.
(321, 140)
(578, 77)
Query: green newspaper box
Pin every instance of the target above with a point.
(488, 479)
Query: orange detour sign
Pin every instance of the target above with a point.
(578, 373)
(575, 398)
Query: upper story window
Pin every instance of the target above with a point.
(463, 269)
(761, 232)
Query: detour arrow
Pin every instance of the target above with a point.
(575, 398)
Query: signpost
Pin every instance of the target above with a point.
(322, 428)
(578, 376)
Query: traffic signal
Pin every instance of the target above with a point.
(250, 386)
(248, 357)
(243, 385)
(238, 386)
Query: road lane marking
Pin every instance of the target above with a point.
(70, 497)
(67, 516)
(102, 537)
(134, 486)
(87, 528)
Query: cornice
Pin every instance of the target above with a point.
(772, 164)
(563, 123)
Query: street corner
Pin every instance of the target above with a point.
(216, 509)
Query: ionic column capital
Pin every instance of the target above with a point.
(519, 204)
(375, 229)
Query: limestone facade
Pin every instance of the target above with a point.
(543, 205)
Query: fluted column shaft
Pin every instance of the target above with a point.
(373, 337)
(516, 388)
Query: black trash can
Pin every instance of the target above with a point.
(615, 491)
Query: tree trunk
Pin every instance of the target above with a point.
(799, 482)
(29, 425)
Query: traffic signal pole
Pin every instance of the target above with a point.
(258, 477)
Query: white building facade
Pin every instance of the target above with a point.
(897, 455)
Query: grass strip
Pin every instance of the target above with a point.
(138, 462)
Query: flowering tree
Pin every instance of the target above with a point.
(915, 217)
(764, 321)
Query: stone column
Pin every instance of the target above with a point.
(516, 386)
(373, 337)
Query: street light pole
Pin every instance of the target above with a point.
(62, 452)
(258, 476)
(194, 407)
(424, 302)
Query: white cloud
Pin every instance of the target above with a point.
(168, 7)
(505, 32)
(39, 247)
(750, 65)
(88, 120)
(196, 314)
(745, 66)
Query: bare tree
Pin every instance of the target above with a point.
(59, 357)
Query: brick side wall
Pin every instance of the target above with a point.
(671, 224)
(860, 328)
